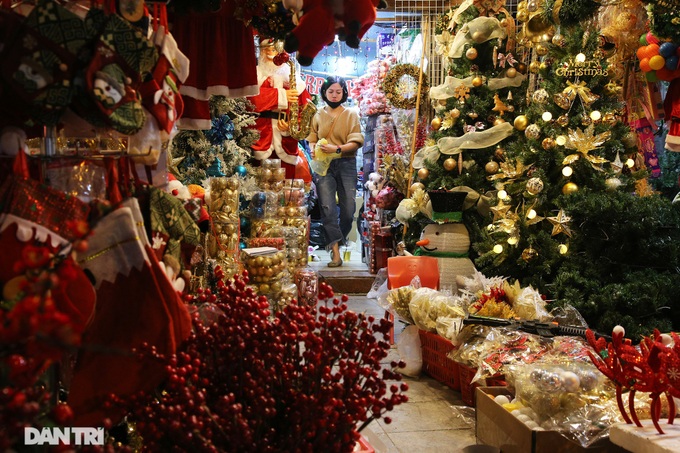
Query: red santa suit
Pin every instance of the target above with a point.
(272, 101)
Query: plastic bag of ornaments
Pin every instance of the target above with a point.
(573, 398)
(267, 272)
(271, 175)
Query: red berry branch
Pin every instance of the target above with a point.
(303, 379)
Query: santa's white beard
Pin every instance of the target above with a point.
(279, 74)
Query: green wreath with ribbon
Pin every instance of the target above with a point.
(390, 86)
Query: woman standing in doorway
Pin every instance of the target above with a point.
(341, 130)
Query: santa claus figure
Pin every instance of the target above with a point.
(272, 105)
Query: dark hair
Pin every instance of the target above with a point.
(330, 81)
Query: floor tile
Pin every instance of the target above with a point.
(439, 441)
(422, 416)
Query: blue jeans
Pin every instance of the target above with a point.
(340, 179)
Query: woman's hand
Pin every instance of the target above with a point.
(328, 148)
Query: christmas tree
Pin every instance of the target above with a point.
(221, 151)
(574, 215)
(474, 112)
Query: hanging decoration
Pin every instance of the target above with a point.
(585, 141)
(393, 88)
(560, 223)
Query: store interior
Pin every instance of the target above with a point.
(352, 226)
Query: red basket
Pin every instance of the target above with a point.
(467, 387)
(435, 361)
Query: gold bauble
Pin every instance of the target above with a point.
(423, 173)
(499, 153)
(529, 254)
(521, 122)
(609, 118)
(540, 96)
(586, 120)
(559, 40)
(455, 113)
(232, 183)
(630, 140)
(534, 186)
(522, 68)
(569, 188)
(491, 167)
(532, 132)
(543, 66)
(548, 143)
(471, 53)
(563, 120)
(417, 185)
(477, 81)
(450, 164)
(436, 123)
(442, 102)
(541, 50)
(511, 73)
(498, 121)
(479, 36)
(534, 67)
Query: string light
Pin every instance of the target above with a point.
(498, 249)
(562, 248)
(531, 214)
(630, 163)
(580, 58)
(547, 116)
(561, 140)
(502, 194)
(595, 115)
(567, 171)
(513, 240)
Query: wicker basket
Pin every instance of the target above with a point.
(435, 361)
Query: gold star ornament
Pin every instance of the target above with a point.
(560, 224)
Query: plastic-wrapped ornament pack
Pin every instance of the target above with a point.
(222, 244)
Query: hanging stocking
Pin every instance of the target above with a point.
(134, 307)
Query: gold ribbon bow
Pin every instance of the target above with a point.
(581, 90)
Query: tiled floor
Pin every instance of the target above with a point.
(433, 420)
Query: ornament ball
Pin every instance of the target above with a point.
(529, 254)
(477, 81)
(521, 122)
(548, 143)
(491, 167)
(522, 68)
(534, 66)
(534, 186)
(471, 53)
(498, 121)
(450, 164)
(436, 123)
(569, 188)
(423, 173)
(241, 170)
(499, 153)
(511, 73)
(417, 185)
(541, 49)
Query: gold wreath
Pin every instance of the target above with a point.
(391, 81)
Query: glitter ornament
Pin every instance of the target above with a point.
(541, 96)
(529, 254)
(532, 132)
(559, 40)
(534, 186)
(563, 120)
(541, 50)
(562, 101)
(534, 67)
(491, 167)
(548, 143)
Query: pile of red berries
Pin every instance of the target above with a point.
(303, 379)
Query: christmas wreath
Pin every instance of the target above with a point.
(394, 90)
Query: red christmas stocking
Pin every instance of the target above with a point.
(131, 310)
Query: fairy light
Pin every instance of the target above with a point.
(547, 116)
(561, 140)
(562, 248)
(567, 171)
(580, 58)
(595, 115)
(498, 249)
(502, 194)
(531, 214)
(630, 163)
(513, 240)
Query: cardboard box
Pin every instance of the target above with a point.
(499, 428)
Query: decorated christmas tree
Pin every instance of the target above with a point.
(474, 112)
(221, 151)
(574, 214)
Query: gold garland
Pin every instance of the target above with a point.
(391, 83)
